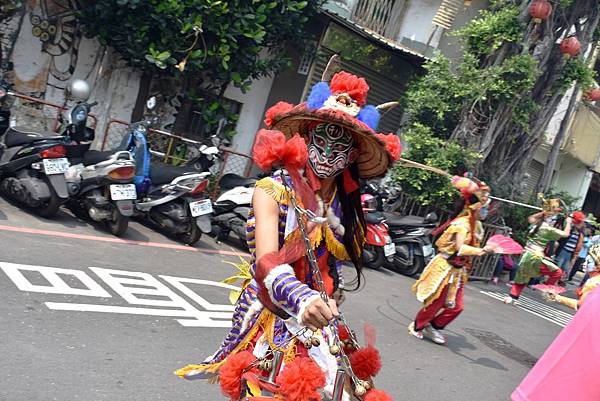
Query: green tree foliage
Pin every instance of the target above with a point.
(206, 43)
(427, 187)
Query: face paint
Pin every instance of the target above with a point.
(330, 149)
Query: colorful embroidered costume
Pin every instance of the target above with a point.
(440, 287)
(534, 263)
(268, 313)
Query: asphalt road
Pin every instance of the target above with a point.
(108, 319)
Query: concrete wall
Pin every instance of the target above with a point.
(416, 22)
(573, 177)
(43, 68)
(449, 45)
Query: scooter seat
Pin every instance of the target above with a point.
(393, 220)
(17, 136)
(161, 173)
(92, 157)
(230, 180)
(374, 218)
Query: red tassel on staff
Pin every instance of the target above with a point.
(366, 362)
(377, 395)
(300, 380)
(230, 374)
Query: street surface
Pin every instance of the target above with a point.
(89, 317)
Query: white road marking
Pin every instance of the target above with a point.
(57, 284)
(150, 296)
(539, 309)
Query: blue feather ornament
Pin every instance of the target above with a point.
(318, 95)
(370, 116)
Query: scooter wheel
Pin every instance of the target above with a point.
(50, 208)
(378, 260)
(192, 236)
(118, 225)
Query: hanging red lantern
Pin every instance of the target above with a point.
(592, 95)
(540, 10)
(570, 46)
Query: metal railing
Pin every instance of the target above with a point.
(232, 162)
(43, 115)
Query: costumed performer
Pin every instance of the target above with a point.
(308, 210)
(441, 285)
(534, 263)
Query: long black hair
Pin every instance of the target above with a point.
(353, 221)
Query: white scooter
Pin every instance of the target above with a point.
(232, 207)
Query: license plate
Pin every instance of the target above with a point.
(389, 249)
(427, 250)
(122, 192)
(55, 166)
(200, 208)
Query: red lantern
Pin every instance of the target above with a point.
(592, 95)
(540, 10)
(570, 46)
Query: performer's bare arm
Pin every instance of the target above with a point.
(266, 212)
(567, 231)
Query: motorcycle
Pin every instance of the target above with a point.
(378, 243)
(411, 235)
(232, 207)
(412, 238)
(170, 197)
(32, 163)
(100, 183)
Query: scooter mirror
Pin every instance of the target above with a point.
(151, 103)
(431, 218)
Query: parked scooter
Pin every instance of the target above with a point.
(412, 237)
(100, 183)
(32, 164)
(170, 197)
(232, 207)
(378, 243)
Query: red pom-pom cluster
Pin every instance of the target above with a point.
(377, 395)
(271, 148)
(230, 374)
(392, 145)
(300, 380)
(276, 110)
(357, 88)
(366, 362)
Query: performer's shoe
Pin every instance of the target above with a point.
(509, 300)
(413, 332)
(434, 335)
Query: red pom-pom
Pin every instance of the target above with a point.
(271, 148)
(357, 88)
(377, 395)
(366, 362)
(230, 374)
(300, 380)
(343, 332)
(275, 110)
(295, 153)
(267, 148)
(392, 145)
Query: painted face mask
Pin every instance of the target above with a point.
(330, 150)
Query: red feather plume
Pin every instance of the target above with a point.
(504, 245)
(230, 374)
(300, 380)
(277, 109)
(377, 395)
(357, 88)
(392, 145)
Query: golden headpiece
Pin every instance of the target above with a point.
(550, 206)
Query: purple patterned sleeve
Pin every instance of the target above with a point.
(287, 292)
